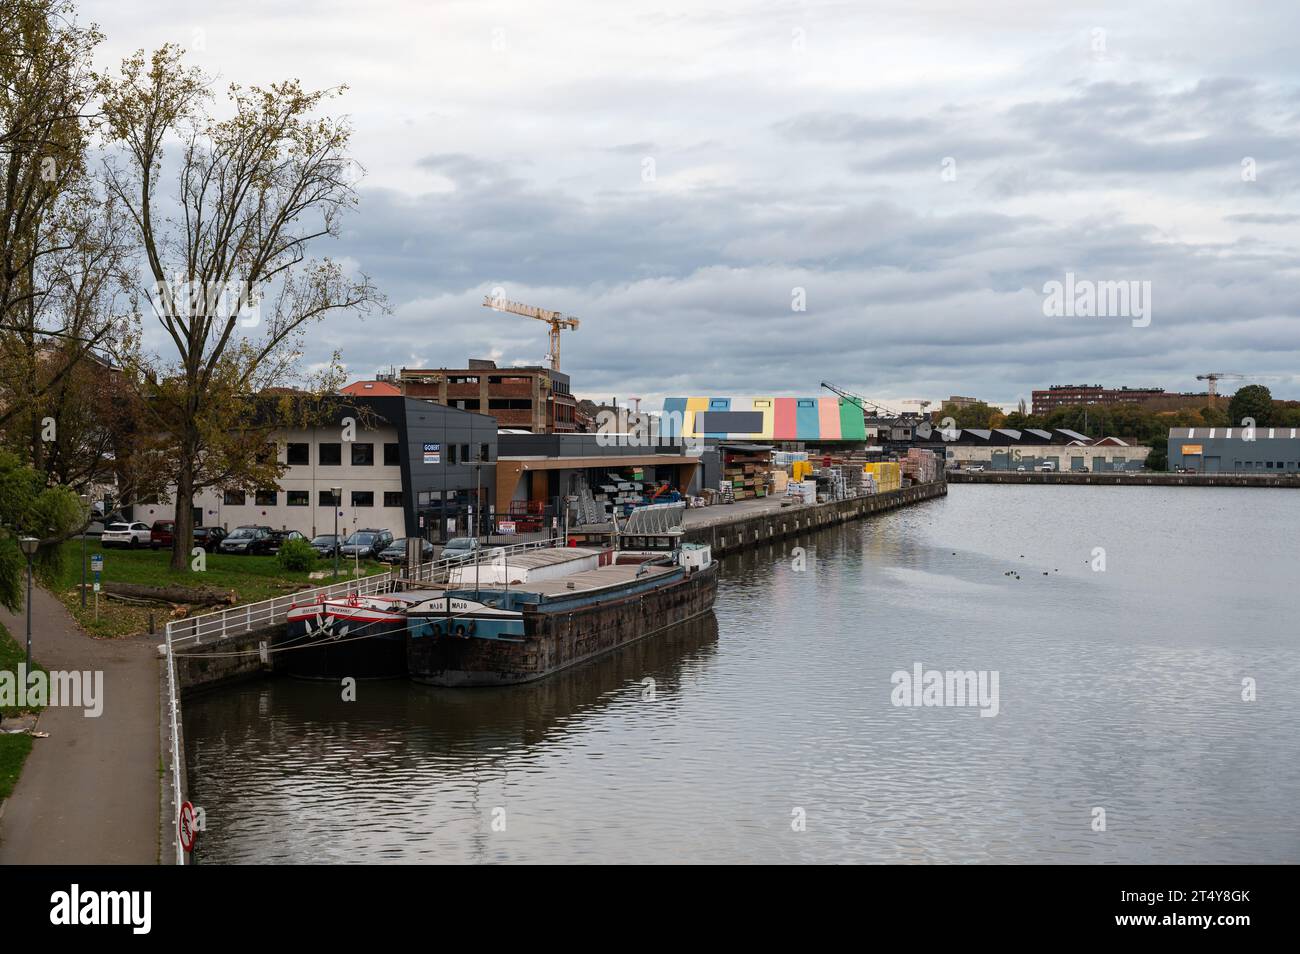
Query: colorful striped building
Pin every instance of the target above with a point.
(764, 418)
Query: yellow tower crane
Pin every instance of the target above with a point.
(558, 322)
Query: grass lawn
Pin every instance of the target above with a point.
(251, 578)
(13, 748)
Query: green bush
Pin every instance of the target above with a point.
(297, 555)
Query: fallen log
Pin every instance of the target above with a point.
(204, 595)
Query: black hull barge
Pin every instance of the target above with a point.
(506, 638)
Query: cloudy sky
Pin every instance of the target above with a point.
(675, 174)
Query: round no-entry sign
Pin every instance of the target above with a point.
(187, 822)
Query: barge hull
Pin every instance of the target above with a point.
(557, 639)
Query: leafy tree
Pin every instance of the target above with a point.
(29, 508)
(255, 191)
(1286, 414)
(979, 415)
(1215, 417)
(62, 262)
(1254, 401)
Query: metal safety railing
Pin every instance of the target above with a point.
(173, 710)
(245, 618)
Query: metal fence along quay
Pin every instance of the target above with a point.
(236, 620)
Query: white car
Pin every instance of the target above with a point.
(125, 535)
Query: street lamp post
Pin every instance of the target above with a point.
(28, 546)
(85, 500)
(338, 501)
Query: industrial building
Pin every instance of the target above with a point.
(538, 475)
(813, 419)
(1009, 449)
(418, 468)
(1235, 450)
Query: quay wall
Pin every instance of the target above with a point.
(731, 536)
(1132, 480)
(225, 660)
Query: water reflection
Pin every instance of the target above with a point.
(1119, 689)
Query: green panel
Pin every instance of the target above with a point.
(852, 426)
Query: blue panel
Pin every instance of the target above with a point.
(670, 425)
(807, 419)
(719, 404)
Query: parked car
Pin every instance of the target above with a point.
(366, 543)
(209, 538)
(1021, 468)
(975, 468)
(247, 540)
(395, 552)
(125, 535)
(160, 534)
(280, 537)
(325, 544)
(462, 547)
(1046, 467)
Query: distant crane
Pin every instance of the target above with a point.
(860, 401)
(558, 322)
(1213, 378)
(922, 404)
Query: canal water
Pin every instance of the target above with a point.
(1122, 643)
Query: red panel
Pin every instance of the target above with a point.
(784, 428)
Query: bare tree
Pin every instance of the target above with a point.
(232, 286)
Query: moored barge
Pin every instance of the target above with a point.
(517, 632)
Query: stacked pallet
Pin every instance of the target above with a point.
(888, 475)
(921, 466)
(746, 473)
(851, 476)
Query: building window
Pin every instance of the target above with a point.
(326, 498)
(330, 455)
(298, 498)
(451, 453)
(392, 455)
(464, 453)
(265, 498)
(484, 452)
(363, 498)
(297, 455)
(363, 455)
(233, 498)
(392, 498)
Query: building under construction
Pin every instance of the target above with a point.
(533, 398)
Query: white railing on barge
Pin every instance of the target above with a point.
(236, 620)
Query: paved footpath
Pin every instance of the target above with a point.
(89, 793)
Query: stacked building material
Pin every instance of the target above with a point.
(921, 466)
(783, 459)
(851, 475)
(745, 471)
(887, 473)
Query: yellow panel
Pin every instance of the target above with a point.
(692, 405)
(1192, 449)
(765, 406)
